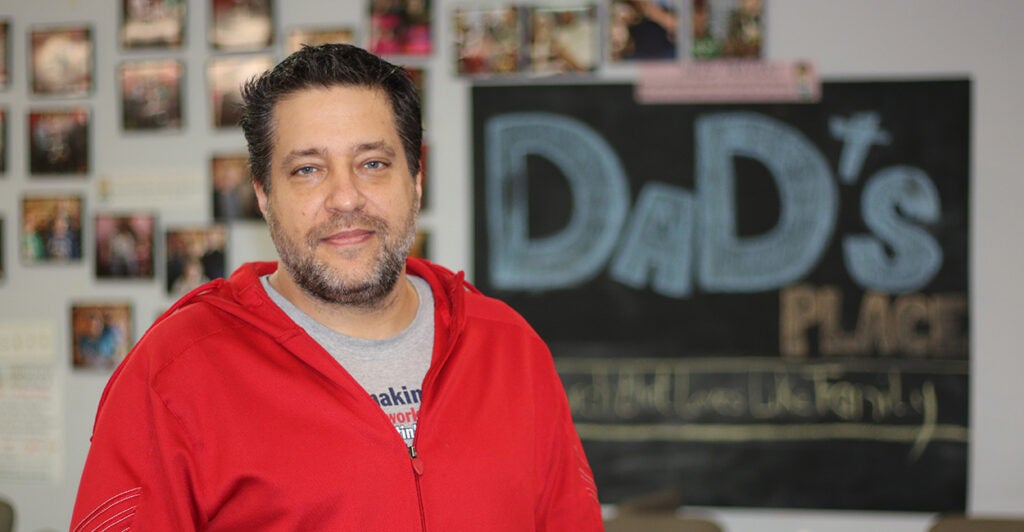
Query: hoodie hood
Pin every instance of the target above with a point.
(242, 295)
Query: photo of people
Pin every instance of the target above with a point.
(61, 61)
(233, 196)
(152, 23)
(316, 36)
(195, 255)
(487, 40)
(642, 30)
(224, 76)
(240, 25)
(59, 141)
(726, 29)
(51, 229)
(151, 94)
(124, 245)
(101, 335)
(400, 27)
(563, 40)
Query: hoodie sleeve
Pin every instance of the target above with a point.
(138, 474)
(569, 498)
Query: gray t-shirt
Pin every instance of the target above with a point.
(390, 370)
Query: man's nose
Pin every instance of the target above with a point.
(345, 192)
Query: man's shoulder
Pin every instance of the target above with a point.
(480, 306)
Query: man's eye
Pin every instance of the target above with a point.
(305, 170)
(376, 165)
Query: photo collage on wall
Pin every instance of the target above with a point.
(58, 228)
(526, 40)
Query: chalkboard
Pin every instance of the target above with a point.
(758, 305)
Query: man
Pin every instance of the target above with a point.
(345, 387)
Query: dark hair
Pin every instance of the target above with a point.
(326, 66)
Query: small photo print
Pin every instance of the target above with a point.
(487, 40)
(195, 255)
(421, 245)
(400, 27)
(61, 61)
(233, 195)
(225, 76)
(642, 30)
(563, 40)
(5, 49)
(151, 94)
(101, 335)
(418, 75)
(59, 141)
(125, 245)
(51, 229)
(242, 25)
(724, 29)
(317, 36)
(152, 23)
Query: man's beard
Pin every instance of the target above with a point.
(316, 277)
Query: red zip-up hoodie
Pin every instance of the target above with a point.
(228, 416)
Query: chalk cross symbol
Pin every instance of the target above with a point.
(858, 133)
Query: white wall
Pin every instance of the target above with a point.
(846, 39)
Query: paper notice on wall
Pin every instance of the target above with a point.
(152, 190)
(31, 409)
(728, 81)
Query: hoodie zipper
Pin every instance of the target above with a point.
(417, 469)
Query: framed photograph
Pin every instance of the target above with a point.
(421, 245)
(233, 195)
(487, 40)
(101, 334)
(419, 80)
(400, 27)
(51, 229)
(225, 76)
(724, 29)
(642, 30)
(195, 255)
(317, 36)
(241, 25)
(151, 94)
(59, 141)
(5, 50)
(563, 40)
(61, 61)
(125, 245)
(152, 23)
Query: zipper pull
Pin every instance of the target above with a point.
(417, 464)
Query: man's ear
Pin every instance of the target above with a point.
(419, 179)
(261, 198)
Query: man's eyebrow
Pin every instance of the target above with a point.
(373, 146)
(298, 154)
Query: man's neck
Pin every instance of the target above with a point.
(389, 317)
